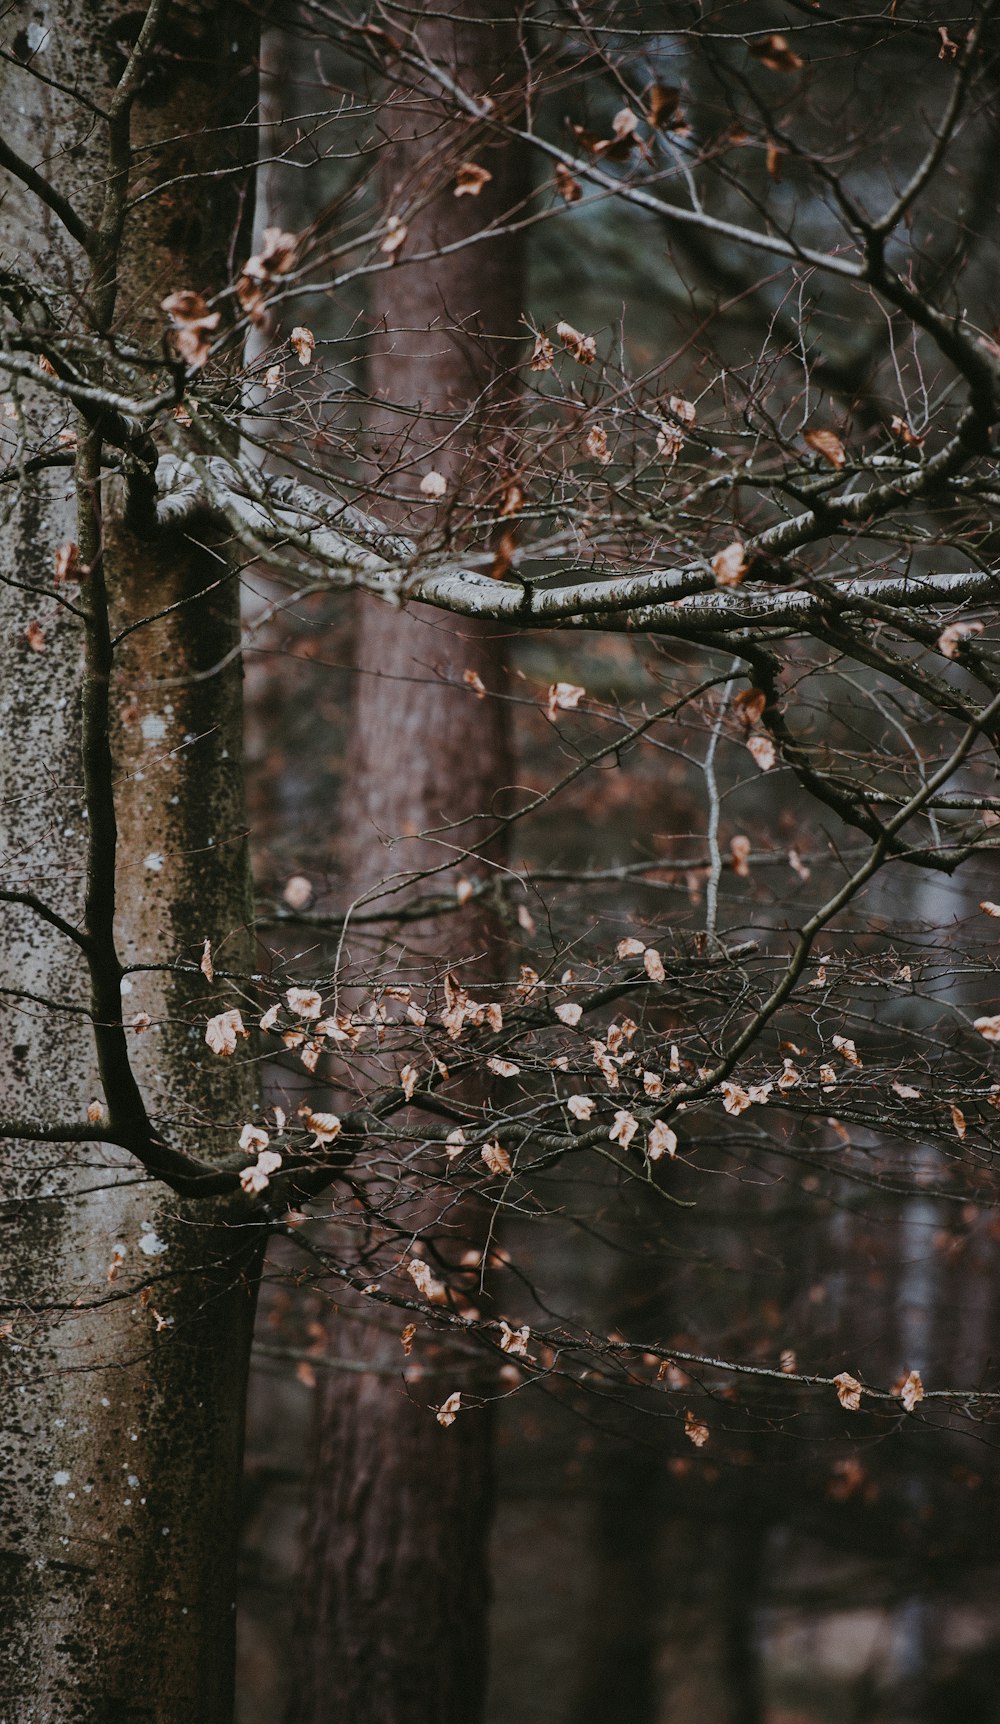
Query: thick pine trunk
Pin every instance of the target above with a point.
(129, 1310)
(395, 1591)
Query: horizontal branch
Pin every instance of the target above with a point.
(357, 552)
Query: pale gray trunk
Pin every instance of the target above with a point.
(130, 1310)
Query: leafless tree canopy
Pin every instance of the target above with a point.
(637, 369)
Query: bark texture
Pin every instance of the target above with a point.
(395, 1584)
(130, 1310)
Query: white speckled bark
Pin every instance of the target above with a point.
(121, 1398)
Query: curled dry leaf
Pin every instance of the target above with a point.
(270, 1018)
(395, 234)
(652, 963)
(827, 1077)
(848, 1391)
(275, 257)
(788, 1361)
(734, 1099)
(847, 1050)
(605, 1065)
(470, 179)
(298, 892)
(749, 706)
(408, 1080)
(454, 1143)
(739, 849)
(958, 1119)
(827, 444)
(652, 1083)
(503, 1068)
(669, 441)
(34, 634)
(325, 1127)
(95, 1112)
(192, 326)
(465, 891)
(989, 908)
(514, 1340)
(426, 1282)
(223, 1031)
(512, 501)
(304, 342)
(681, 409)
(900, 428)
(630, 947)
(950, 640)
(406, 1338)
(582, 348)
(449, 1409)
(662, 105)
(695, 1429)
(258, 1177)
(433, 484)
(624, 1128)
(596, 445)
(496, 1158)
(67, 561)
(543, 354)
(775, 53)
(304, 1002)
(661, 1141)
(563, 697)
(569, 189)
(274, 377)
(254, 1138)
(911, 1390)
(473, 680)
(906, 1091)
(763, 751)
(503, 555)
(790, 1077)
(624, 125)
(581, 1106)
(569, 1013)
(205, 964)
(730, 566)
(989, 1028)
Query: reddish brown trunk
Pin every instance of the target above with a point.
(395, 1593)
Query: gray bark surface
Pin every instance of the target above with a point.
(129, 1309)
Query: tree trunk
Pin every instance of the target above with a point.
(395, 1586)
(129, 1310)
